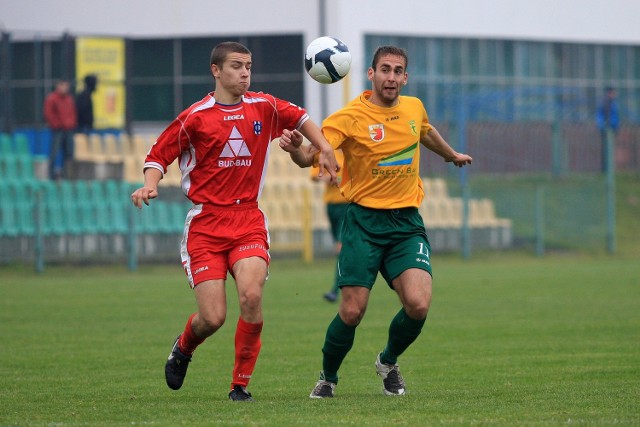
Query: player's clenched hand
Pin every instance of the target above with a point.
(290, 140)
(460, 159)
(143, 194)
(327, 161)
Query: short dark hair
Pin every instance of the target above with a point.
(389, 50)
(220, 52)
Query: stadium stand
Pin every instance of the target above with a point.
(91, 217)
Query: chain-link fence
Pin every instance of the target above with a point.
(550, 176)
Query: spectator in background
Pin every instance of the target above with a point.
(607, 119)
(336, 206)
(60, 114)
(84, 104)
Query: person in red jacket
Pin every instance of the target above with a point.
(62, 118)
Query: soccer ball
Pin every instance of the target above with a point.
(327, 60)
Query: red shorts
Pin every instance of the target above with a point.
(216, 237)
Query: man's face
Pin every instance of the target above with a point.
(388, 78)
(235, 74)
(63, 87)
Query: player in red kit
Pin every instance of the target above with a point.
(222, 145)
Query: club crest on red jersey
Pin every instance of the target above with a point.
(376, 132)
(257, 127)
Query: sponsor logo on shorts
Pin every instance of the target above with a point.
(249, 247)
(201, 269)
(423, 250)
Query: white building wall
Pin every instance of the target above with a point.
(593, 21)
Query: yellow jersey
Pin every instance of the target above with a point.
(381, 149)
(332, 194)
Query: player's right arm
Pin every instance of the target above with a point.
(149, 190)
(162, 154)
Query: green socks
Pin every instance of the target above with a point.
(402, 332)
(337, 343)
(340, 336)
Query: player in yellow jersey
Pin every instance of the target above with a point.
(379, 133)
(336, 206)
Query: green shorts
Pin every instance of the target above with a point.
(335, 213)
(388, 241)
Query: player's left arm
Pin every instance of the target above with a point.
(436, 143)
(302, 155)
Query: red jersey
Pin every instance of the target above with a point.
(223, 150)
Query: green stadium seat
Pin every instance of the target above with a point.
(86, 208)
(155, 218)
(24, 168)
(144, 219)
(162, 217)
(23, 189)
(71, 212)
(112, 191)
(6, 145)
(25, 215)
(53, 216)
(9, 169)
(100, 206)
(22, 146)
(178, 215)
(118, 203)
(51, 193)
(8, 220)
(66, 191)
(20, 198)
(3, 173)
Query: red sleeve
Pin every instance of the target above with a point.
(169, 145)
(290, 116)
(49, 112)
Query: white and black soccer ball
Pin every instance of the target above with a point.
(327, 60)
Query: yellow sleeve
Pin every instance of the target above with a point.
(425, 126)
(337, 128)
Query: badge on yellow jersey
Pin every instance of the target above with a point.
(376, 132)
(412, 125)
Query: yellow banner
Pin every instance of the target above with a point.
(104, 57)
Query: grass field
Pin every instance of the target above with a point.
(510, 340)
